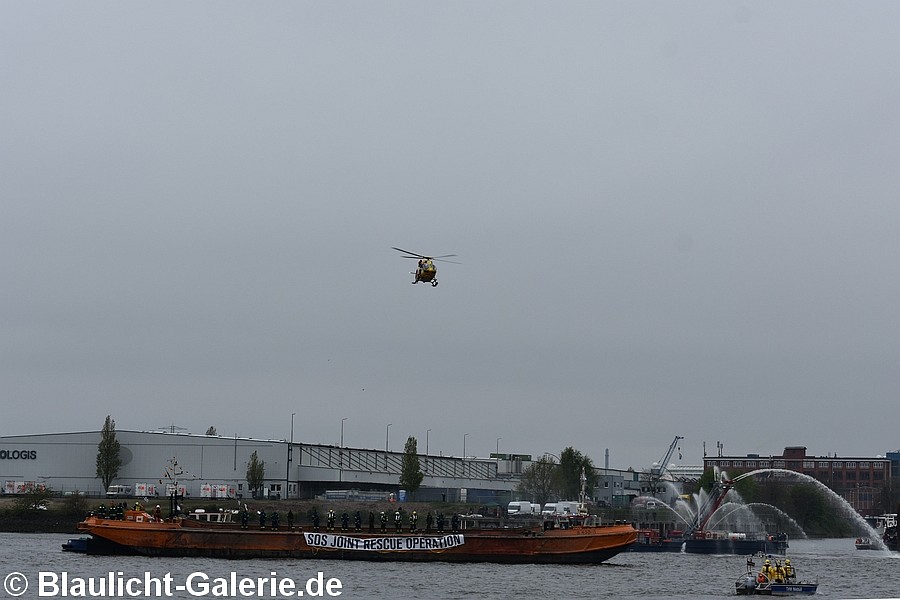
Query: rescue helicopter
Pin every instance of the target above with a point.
(426, 270)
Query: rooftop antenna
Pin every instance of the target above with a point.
(172, 428)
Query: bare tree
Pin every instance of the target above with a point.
(538, 480)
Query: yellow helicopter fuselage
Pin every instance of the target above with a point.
(426, 271)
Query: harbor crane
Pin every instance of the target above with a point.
(659, 469)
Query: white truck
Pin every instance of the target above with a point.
(562, 508)
(118, 491)
(520, 507)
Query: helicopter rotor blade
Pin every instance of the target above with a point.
(414, 255)
(441, 258)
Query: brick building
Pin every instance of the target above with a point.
(864, 482)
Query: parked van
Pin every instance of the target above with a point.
(520, 507)
(561, 508)
(566, 507)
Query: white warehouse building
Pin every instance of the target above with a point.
(215, 466)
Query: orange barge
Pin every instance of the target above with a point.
(581, 543)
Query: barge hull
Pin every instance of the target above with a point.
(577, 545)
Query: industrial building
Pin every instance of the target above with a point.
(864, 482)
(214, 466)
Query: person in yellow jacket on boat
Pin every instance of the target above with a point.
(789, 573)
(779, 572)
(767, 572)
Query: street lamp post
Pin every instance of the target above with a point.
(465, 435)
(290, 457)
(341, 453)
(426, 449)
(387, 444)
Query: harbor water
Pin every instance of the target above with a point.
(841, 570)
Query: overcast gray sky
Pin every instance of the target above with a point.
(673, 218)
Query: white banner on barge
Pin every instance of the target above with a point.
(381, 544)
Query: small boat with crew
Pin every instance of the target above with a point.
(773, 579)
(866, 543)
